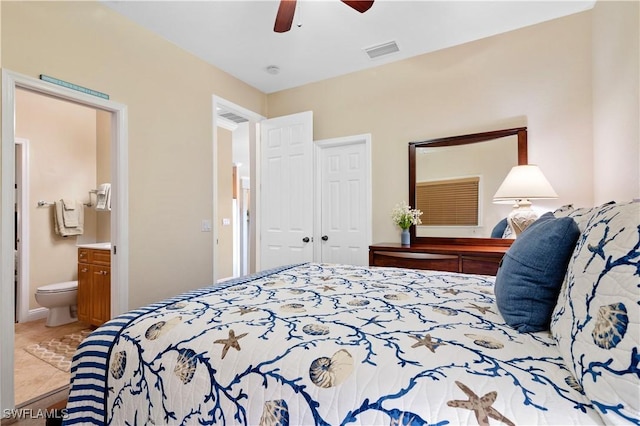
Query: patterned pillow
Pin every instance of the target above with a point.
(596, 321)
(580, 215)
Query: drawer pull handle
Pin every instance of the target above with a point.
(84, 270)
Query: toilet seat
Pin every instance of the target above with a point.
(58, 287)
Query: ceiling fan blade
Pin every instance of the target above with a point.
(359, 5)
(284, 18)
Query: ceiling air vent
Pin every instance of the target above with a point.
(382, 49)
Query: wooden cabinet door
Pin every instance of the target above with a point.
(100, 295)
(84, 292)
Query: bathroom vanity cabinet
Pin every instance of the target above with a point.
(94, 285)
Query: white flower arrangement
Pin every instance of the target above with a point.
(404, 216)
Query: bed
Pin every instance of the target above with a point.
(332, 344)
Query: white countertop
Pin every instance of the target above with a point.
(97, 246)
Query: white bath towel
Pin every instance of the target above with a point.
(58, 220)
(70, 213)
(103, 196)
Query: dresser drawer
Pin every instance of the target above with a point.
(480, 265)
(437, 262)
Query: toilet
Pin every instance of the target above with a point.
(61, 299)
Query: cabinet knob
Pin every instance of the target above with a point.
(305, 240)
(84, 270)
(325, 237)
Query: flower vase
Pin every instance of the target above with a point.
(405, 237)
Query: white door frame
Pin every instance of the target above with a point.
(317, 216)
(22, 296)
(119, 213)
(254, 152)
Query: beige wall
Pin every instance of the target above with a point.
(616, 100)
(225, 203)
(539, 76)
(62, 153)
(168, 93)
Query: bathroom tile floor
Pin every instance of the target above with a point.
(32, 376)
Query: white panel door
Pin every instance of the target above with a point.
(286, 192)
(345, 230)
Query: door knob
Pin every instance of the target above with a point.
(305, 240)
(325, 237)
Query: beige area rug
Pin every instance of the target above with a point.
(59, 351)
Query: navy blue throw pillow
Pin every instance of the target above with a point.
(532, 270)
(498, 230)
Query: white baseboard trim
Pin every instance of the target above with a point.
(36, 314)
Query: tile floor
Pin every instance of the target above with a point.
(32, 376)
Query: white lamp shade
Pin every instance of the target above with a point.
(524, 183)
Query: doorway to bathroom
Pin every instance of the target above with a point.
(12, 83)
(62, 152)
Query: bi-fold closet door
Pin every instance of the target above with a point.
(314, 198)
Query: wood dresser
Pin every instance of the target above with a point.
(471, 256)
(94, 286)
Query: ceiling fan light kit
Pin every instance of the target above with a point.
(287, 8)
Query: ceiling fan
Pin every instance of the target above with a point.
(287, 8)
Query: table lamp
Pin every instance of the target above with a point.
(523, 184)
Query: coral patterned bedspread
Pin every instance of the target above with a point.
(325, 344)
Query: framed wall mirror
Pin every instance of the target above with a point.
(453, 180)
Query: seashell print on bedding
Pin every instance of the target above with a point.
(485, 341)
(445, 311)
(275, 413)
(161, 327)
(293, 307)
(571, 381)
(397, 296)
(237, 288)
(315, 329)
(329, 372)
(611, 325)
(185, 365)
(176, 306)
(118, 364)
(358, 302)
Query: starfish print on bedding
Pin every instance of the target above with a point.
(328, 287)
(426, 342)
(245, 310)
(452, 291)
(374, 321)
(481, 406)
(230, 342)
(483, 309)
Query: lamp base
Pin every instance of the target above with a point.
(521, 217)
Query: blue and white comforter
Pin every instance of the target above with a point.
(325, 344)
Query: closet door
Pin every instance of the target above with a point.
(286, 190)
(344, 205)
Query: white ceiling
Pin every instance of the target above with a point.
(238, 37)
